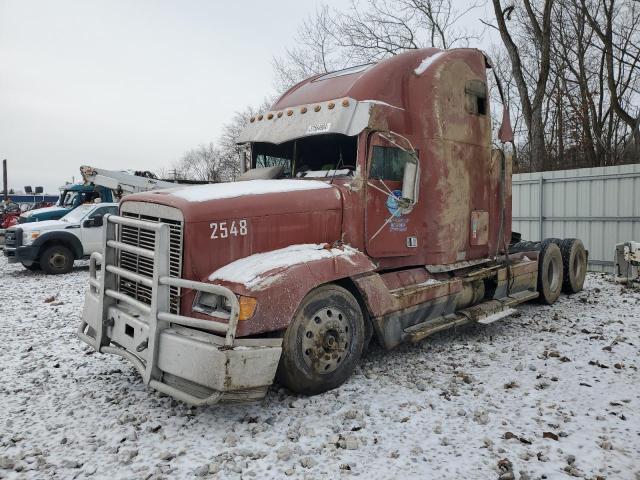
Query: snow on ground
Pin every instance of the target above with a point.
(453, 406)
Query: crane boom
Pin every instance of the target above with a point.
(122, 183)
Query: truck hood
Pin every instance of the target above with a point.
(44, 225)
(225, 222)
(201, 203)
(44, 213)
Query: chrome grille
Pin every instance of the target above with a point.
(143, 238)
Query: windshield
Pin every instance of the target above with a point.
(76, 215)
(67, 199)
(71, 198)
(309, 157)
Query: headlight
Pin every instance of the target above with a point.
(209, 303)
(29, 236)
(206, 302)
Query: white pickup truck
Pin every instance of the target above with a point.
(54, 245)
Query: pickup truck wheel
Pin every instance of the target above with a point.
(574, 259)
(549, 272)
(34, 267)
(323, 343)
(56, 260)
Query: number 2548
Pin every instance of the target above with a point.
(228, 229)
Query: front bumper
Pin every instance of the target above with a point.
(26, 255)
(184, 357)
(15, 251)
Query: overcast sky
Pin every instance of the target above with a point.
(130, 84)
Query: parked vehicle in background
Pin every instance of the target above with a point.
(71, 196)
(377, 208)
(54, 245)
(9, 217)
(122, 183)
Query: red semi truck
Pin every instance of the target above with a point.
(373, 207)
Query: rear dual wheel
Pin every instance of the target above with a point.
(323, 343)
(550, 275)
(574, 261)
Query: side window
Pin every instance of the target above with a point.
(387, 163)
(476, 97)
(103, 211)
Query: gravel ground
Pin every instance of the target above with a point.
(551, 393)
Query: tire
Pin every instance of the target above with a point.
(574, 261)
(323, 343)
(34, 267)
(56, 260)
(549, 272)
(524, 246)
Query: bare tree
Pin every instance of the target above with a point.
(230, 152)
(538, 26)
(316, 51)
(625, 52)
(203, 163)
(368, 31)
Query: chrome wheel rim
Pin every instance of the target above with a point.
(326, 340)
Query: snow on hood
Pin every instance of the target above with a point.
(250, 271)
(44, 225)
(426, 63)
(203, 193)
(43, 210)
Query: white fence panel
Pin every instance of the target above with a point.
(601, 206)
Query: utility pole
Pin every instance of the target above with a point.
(5, 191)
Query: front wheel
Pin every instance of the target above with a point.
(323, 343)
(56, 259)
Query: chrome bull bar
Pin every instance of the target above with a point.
(156, 317)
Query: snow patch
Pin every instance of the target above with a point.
(429, 282)
(325, 173)
(203, 193)
(380, 102)
(426, 63)
(250, 271)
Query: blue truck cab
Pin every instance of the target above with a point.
(71, 196)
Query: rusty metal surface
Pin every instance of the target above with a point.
(460, 176)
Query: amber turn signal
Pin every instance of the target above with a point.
(247, 307)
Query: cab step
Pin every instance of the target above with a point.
(484, 313)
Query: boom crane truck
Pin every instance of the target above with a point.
(376, 209)
(122, 183)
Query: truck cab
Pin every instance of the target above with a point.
(54, 245)
(71, 196)
(373, 206)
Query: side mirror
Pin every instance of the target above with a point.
(410, 182)
(411, 175)
(93, 222)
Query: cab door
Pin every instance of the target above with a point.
(390, 231)
(91, 232)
